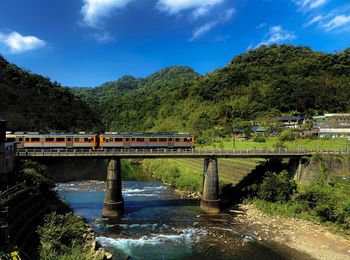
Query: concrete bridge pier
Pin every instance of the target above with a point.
(210, 200)
(296, 168)
(113, 205)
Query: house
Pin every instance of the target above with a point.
(334, 133)
(291, 121)
(7, 152)
(341, 120)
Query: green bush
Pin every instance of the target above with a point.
(60, 235)
(259, 138)
(288, 135)
(36, 176)
(277, 187)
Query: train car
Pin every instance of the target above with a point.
(146, 140)
(56, 140)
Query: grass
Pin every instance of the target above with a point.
(187, 174)
(230, 143)
(331, 205)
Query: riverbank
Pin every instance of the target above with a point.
(304, 236)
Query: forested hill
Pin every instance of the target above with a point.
(32, 102)
(257, 85)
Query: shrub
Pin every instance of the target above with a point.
(288, 135)
(60, 234)
(259, 138)
(276, 187)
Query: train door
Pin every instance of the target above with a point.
(69, 142)
(127, 142)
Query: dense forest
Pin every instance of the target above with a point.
(32, 102)
(255, 86)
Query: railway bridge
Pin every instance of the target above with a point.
(210, 200)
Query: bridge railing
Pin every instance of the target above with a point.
(54, 152)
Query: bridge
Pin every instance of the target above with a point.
(170, 153)
(210, 201)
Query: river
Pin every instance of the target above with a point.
(158, 224)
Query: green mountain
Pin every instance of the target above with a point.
(256, 85)
(32, 102)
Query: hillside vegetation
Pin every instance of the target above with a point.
(32, 102)
(255, 86)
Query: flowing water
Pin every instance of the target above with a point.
(160, 225)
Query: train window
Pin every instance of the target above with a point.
(127, 139)
(132, 139)
(60, 139)
(69, 139)
(177, 139)
(20, 139)
(119, 139)
(11, 139)
(162, 139)
(49, 139)
(170, 139)
(76, 139)
(140, 139)
(153, 139)
(35, 139)
(27, 139)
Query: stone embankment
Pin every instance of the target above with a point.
(98, 252)
(304, 236)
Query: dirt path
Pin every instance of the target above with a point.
(304, 236)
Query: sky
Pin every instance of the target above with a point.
(88, 42)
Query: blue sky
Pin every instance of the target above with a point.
(89, 42)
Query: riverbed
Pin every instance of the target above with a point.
(158, 224)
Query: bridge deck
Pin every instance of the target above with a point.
(170, 153)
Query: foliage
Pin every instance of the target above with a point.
(316, 201)
(276, 187)
(259, 138)
(62, 237)
(36, 176)
(288, 135)
(32, 102)
(256, 86)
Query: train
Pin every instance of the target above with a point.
(101, 141)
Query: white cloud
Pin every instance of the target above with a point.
(201, 30)
(17, 43)
(314, 20)
(199, 7)
(307, 5)
(95, 10)
(102, 37)
(276, 34)
(338, 22)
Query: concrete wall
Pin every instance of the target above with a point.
(336, 165)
